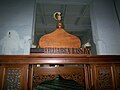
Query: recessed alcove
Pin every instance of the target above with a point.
(76, 19)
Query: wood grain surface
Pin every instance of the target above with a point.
(59, 39)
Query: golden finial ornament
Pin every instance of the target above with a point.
(58, 16)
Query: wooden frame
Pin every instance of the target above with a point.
(91, 65)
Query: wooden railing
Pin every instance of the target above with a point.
(94, 72)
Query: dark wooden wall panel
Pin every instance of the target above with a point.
(103, 77)
(14, 77)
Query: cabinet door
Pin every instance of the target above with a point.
(103, 77)
(13, 77)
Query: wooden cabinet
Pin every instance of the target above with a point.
(19, 72)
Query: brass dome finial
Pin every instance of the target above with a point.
(58, 16)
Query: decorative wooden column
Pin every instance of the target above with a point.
(117, 76)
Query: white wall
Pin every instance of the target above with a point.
(16, 16)
(105, 27)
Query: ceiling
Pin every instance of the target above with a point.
(75, 16)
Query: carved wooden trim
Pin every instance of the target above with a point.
(79, 78)
(37, 79)
(47, 73)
